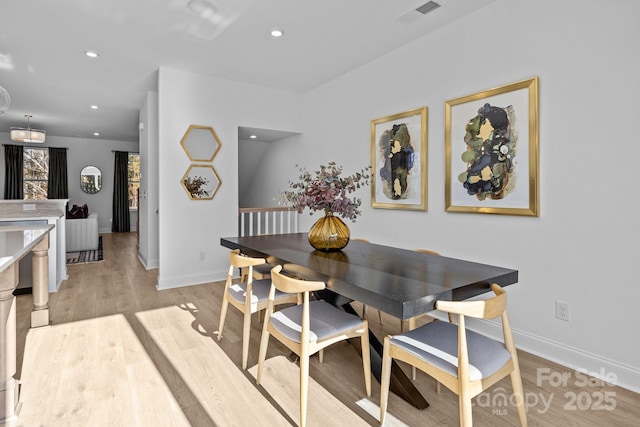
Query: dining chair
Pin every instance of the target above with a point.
(308, 328)
(465, 361)
(249, 296)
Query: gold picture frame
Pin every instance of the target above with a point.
(399, 160)
(492, 151)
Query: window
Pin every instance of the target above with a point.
(134, 179)
(35, 173)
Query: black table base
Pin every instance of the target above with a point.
(400, 384)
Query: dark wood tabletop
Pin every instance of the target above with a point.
(401, 282)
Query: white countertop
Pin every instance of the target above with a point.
(22, 210)
(16, 242)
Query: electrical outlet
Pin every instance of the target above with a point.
(562, 311)
(202, 256)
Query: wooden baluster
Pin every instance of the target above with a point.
(40, 269)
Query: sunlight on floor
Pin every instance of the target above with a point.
(104, 376)
(281, 379)
(374, 410)
(201, 375)
(159, 367)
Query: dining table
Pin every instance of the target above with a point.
(402, 282)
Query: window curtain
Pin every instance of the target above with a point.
(58, 183)
(121, 193)
(13, 157)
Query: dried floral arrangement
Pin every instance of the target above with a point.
(327, 190)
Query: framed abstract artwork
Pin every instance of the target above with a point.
(399, 161)
(491, 151)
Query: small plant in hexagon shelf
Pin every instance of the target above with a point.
(194, 186)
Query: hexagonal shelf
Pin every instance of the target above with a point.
(200, 143)
(201, 182)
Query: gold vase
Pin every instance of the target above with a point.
(329, 233)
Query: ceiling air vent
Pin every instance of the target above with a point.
(418, 12)
(427, 7)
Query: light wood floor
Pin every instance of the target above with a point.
(121, 353)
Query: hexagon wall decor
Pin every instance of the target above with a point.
(201, 182)
(200, 143)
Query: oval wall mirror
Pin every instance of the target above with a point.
(90, 179)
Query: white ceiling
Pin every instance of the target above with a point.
(45, 71)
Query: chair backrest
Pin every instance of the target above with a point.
(238, 260)
(291, 285)
(482, 309)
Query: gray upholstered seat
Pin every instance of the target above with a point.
(437, 343)
(264, 270)
(325, 320)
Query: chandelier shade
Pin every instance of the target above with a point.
(27, 134)
(5, 100)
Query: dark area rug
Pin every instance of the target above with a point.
(80, 257)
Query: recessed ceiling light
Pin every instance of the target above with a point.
(94, 107)
(91, 53)
(96, 134)
(277, 32)
(252, 136)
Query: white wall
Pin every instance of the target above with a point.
(83, 152)
(259, 185)
(583, 248)
(148, 251)
(250, 154)
(189, 227)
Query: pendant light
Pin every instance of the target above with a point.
(27, 134)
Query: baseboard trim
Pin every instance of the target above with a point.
(573, 358)
(190, 280)
(148, 265)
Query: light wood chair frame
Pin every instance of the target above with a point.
(461, 384)
(245, 263)
(259, 272)
(307, 347)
